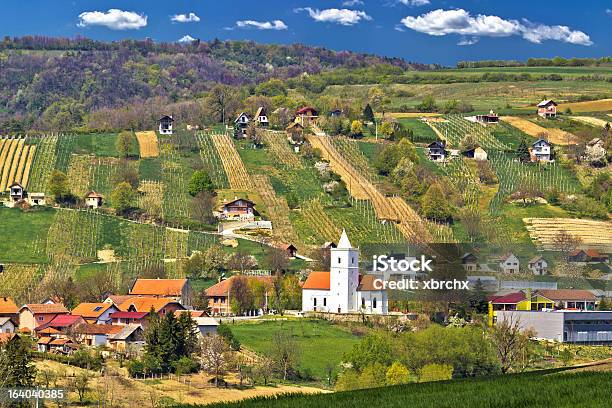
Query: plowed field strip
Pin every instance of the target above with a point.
(232, 163)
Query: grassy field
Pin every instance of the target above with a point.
(28, 235)
(536, 390)
(320, 343)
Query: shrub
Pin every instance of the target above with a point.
(224, 331)
(186, 365)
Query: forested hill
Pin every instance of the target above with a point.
(35, 72)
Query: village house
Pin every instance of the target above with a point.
(176, 289)
(95, 313)
(295, 133)
(521, 300)
(584, 256)
(306, 116)
(436, 151)
(145, 304)
(125, 318)
(8, 308)
(117, 300)
(240, 124)
(509, 263)
(469, 262)
(238, 209)
(17, 193)
(219, 295)
(289, 249)
(547, 109)
(63, 323)
(541, 151)
(477, 153)
(8, 325)
(489, 118)
(570, 298)
(130, 336)
(97, 335)
(261, 117)
(538, 265)
(35, 199)
(34, 315)
(165, 125)
(94, 200)
(343, 289)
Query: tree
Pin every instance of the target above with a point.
(215, 355)
(427, 105)
(373, 376)
(478, 298)
(81, 384)
(123, 198)
(224, 331)
(222, 100)
(277, 260)
(124, 143)
(435, 372)
(356, 128)
(18, 370)
(58, 185)
(522, 152)
(368, 114)
(397, 374)
(200, 181)
(264, 369)
(285, 353)
(374, 348)
(241, 296)
(566, 243)
(202, 206)
(434, 204)
(510, 342)
(241, 261)
(468, 143)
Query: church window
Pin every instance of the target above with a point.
(363, 303)
(324, 301)
(339, 260)
(314, 302)
(374, 303)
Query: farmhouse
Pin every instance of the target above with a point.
(570, 298)
(145, 304)
(17, 192)
(125, 318)
(176, 289)
(538, 265)
(95, 313)
(489, 118)
(261, 117)
(63, 323)
(7, 325)
(477, 153)
(436, 151)
(240, 124)
(509, 263)
(97, 335)
(94, 200)
(580, 327)
(547, 109)
(541, 150)
(165, 125)
(238, 209)
(343, 289)
(306, 116)
(587, 256)
(34, 315)
(8, 308)
(219, 295)
(469, 262)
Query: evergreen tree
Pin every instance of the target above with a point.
(169, 342)
(368, 113)
(522, 152)
(152, 334)
(478, 298)
(19, 370)
(188, 341)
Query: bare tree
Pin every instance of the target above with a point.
(566, 243)
(215, 355)
(285, 353)
(511, 343)
(202, 206)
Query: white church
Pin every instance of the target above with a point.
(343, 289)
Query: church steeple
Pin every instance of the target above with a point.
(344, 241)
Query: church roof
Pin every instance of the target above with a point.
(317, 280)
(366, 283)
(344, 241)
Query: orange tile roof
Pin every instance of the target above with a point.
(6, 337)
(366, 282)
(100, 329)
(193, 313)
(88, 310)
(222, 288)
(317, 280)
(118, 299)
(7, 306)
(46, 308)
(159, 287)
(145, 304)
(567, 294)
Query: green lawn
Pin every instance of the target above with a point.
(533, 390)
(320, 342)
(422, 132)
(24, 235)
(101, 144)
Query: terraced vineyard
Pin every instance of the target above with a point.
(15, 155)
(455, 127)
(464, 177)
(175, 179)
(18, 281)
(322, 225)
(348, 148)
(73, 236)
(152, 197)
(237, 174)
(103, 174)
(280, 148)
(212, 161)
(44, 163)
(594, 234)
(513, 174)
(80, 173)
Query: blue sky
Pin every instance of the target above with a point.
(417, 30)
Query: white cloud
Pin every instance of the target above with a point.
(186, 39)
(352, 3)
(458, 21)
(468, 41)
(344, 17)
(262, 25)
(114, 19)
(185, 18)
(414, 3)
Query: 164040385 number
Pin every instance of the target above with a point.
(28, 394)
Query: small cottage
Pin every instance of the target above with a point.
(306, 116)
(487, 119)
(165, 125)
(547, 109)
(541, 150)
(94, 200)
(469, 262)
(35, 199)
(261, 117)
(509, 263)
(239, 208)
(16, 192)
(7, 325)
(477, 153)
(538, 265)
(295, 133)
(289, 249)
(240, 124)
(436, 151)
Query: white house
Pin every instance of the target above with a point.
(261, 117)
(541, 150)
(343, 289)
(241, 123)
(437, 150)
(547, 109)
(165, 125)
(7, 325)
(509, 263)
(538, 265)
(94, 200)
